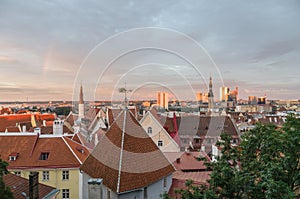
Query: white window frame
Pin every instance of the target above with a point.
(65, 193)
(65, 175)
(149, 130)
(46, 175)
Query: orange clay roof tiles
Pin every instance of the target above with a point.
(30, 148)
(129, 163)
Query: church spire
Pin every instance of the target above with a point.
(81, 103)
(81, 95)
(210, 96)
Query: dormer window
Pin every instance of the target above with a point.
(149, 130)
(44, 156)
(160, 143)
(13, 156)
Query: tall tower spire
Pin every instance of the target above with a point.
(81, 103)
(210, 96)
(81, 95)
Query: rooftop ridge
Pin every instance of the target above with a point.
(121, 151)
(71, 150)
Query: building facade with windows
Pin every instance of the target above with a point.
(151, 123)
(56, 158)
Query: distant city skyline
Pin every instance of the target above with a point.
(47, 48)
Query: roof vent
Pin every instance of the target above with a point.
(81, 150)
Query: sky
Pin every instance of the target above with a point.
(49, 48)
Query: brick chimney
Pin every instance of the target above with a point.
(33, 185)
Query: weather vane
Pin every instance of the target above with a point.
(125, 91)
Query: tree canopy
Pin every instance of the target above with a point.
(5, 191)
(265, 165)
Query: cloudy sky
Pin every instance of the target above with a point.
(47, 48)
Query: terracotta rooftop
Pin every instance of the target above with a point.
(62, 152)
(14, 120)
(71, 118)
(188, 161)
(12, 129)
(18, 185)
(179, 183)
(112, 114)
(126, 158)
(198, 177)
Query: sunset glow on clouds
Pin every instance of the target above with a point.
(43, 44)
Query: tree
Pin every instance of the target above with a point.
(265, 165)
(5, 191)
(225, 176)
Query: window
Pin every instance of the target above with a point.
(13, 156)
(165, 182)
(149, 130)
(160, 143)
(44, 156)
(45, 175)
(65, 194)
(65, 175)
(17, 173)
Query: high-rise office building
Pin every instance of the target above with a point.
(224, 92)
(199, 97)
(252, 100)
(163, 100)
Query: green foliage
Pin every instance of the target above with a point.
(265, 165)
(5, 191)
(65, 110)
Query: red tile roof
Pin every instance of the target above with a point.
(126, 158)
(71, 118)
(198, 177)
(112, 114)
(12, 129)
(188, 161)
(61, 152)
(14, 120)
(18, 185)
(178, 182)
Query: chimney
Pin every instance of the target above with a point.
(58, 127)
(23, 128)
(37, 130)
(44, 122)
(33, 185)
(95, 188)
(202, 148)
